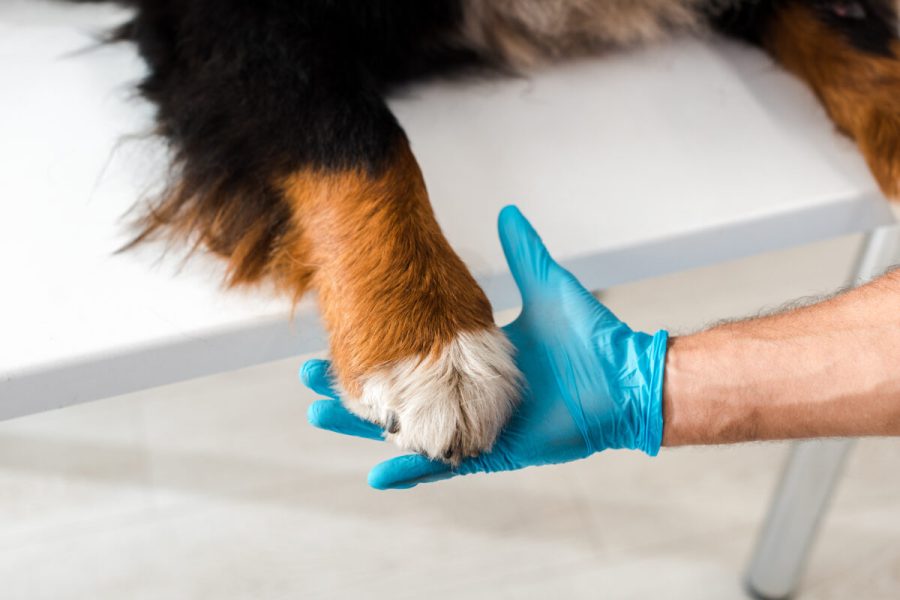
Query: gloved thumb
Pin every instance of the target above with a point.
(529, 261)
(534, 269)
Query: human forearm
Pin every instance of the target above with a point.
(830, 369)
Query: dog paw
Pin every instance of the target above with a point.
(449, 405)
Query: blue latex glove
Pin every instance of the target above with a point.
(591, 382)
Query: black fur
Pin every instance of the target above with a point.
(255, 86)
(867, 24)
(248, 92)
(746, 21)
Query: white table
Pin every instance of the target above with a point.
(634, 165)
(631, 166)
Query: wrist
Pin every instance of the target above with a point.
(676, 384)
(706, 397)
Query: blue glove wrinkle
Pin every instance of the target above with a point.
(564, 370)
(499, 461)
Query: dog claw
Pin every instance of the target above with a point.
(393, 423)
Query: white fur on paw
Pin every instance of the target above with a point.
(448, 407)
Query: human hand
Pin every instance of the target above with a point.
(591, 383)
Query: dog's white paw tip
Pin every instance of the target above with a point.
(447, 407)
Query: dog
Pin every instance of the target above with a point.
(289, 165)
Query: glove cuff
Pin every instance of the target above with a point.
(651, 428)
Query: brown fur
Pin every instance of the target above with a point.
(390, 287)
(858, 89)
(252, 233)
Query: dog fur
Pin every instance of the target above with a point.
(287, 162)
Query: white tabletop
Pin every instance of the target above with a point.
(632, 165)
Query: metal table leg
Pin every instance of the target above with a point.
(810, 476)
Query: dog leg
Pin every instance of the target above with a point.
(412, 335)
(848, 52)
(289, 165)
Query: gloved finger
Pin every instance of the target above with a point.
(331, 415)
(408, 471)
(528, 258)
(314, 374)
(530, 262)
(533, 267)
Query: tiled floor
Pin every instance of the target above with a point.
(218, 488)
